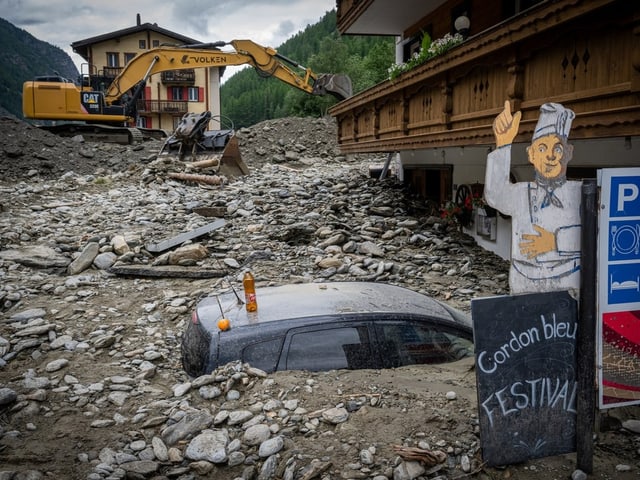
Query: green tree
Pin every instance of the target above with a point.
(247, 98)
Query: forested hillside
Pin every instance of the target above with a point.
(247, 98)
(23, 57)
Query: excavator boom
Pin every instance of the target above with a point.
(265, 60)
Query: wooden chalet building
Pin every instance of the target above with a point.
(435, 120)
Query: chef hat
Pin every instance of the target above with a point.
(554, 118)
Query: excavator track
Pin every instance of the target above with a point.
(98, 133)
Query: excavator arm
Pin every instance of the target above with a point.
(267, 61)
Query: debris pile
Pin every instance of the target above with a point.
(102, 257)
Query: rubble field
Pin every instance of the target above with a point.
(91, 385)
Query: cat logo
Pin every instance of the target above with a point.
(91, 98)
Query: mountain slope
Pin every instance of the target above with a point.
(248, 98)
(23, 57)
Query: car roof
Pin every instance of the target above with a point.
(303, 300)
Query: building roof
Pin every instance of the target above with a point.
(81, 47)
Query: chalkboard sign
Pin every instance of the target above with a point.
(526, 374)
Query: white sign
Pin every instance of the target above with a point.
(619, 288)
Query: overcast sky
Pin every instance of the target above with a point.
(268, 23)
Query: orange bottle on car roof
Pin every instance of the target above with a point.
(249, 285)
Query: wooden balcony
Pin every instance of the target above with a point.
(111, 72)
(174, 107)
(582, 54)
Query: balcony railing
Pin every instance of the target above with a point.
(179, 77)
(111, 72)
(175, 107)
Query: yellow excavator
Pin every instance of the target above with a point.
(106, 114)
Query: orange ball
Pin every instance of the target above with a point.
(224, 324)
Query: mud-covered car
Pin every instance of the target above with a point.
(325, 326)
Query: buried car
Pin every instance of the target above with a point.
(325, 326)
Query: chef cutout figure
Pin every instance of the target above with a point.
(545, 213)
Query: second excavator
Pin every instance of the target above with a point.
(111, 111)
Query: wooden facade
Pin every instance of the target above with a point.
(584, 54)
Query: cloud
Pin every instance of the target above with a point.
(267, 23)
(285, 28)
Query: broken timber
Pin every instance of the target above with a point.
(183, 237)
(172, 271)
(193, 177)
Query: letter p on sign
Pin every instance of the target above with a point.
(624, 194)
(627, 193)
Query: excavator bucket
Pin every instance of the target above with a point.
(334, 84)
(214, 151)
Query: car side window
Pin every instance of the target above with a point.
(263, 355)
(413, 344)
(330, 348)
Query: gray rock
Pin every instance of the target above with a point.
(209, 445)
(370, 248)
(632, 425)
(27, 315)
(268, 469)
(85, 259)
(256, 434)
(38, 256)
(160, 450)
(408, 471)
(335, 415)
(239, 416)
(56, 365)
(271, 447)
(187, 426)
(209, 392)
(104, 261)
(140, 467)
(7, 396)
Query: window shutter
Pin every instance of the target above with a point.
(169, 93)
(201, 94)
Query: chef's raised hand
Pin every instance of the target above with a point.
(505, 126)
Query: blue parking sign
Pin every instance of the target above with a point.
(619, 286)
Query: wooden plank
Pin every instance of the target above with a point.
(172, 271)
(183, 237)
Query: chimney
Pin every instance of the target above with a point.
(138, 19)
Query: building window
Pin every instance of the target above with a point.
(176, 93)
(128, 57)
(113, 59)
(142, 44)
(142, 122)
(194, 94)
(156, 43)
